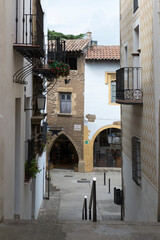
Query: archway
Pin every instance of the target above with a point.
(107, 148)
(63, 154)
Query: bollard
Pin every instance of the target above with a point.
(85, 203)
(94, 201)
(109, 185)
(104, 178)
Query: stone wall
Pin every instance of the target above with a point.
(68, 121)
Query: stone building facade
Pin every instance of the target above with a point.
(65, 107)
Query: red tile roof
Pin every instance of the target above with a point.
(76, 44)
(103, 53)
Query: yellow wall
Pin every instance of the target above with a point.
(88, 148)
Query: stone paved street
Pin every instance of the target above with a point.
(60, 217)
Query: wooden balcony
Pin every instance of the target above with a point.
(128, 86)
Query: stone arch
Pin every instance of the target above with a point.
(52, 140)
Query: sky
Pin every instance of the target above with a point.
(101, 17)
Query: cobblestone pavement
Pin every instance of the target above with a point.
(60, 216)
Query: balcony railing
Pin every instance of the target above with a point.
(128, 86)
(56, 50)
(29, 40)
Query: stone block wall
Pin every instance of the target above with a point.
(72, 124)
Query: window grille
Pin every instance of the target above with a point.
(135, 5)
(113, 92)
(72, 62)
(136, 160)
(65, 102)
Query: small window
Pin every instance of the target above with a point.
(72, 62)
(65, 102)
(136, 160)
(113, 91)
(135, 5)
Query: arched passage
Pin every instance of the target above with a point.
(107, 148)
(63, 153)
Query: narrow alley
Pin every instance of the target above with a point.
(60, 216)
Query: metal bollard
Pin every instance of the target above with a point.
(85, 203)
(104, 178)
(94, 201)
(109, 185)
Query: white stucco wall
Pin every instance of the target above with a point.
(40, 183)
(96, 96)
(10, 62)
(138, 200)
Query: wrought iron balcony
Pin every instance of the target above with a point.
(56, 50)
(29, 41)
(128, 86)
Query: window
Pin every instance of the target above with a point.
(72, 63)
(65, 102)
(136, 160)
(135, 5)
(110, 79)
(113, 91)
(125, 56)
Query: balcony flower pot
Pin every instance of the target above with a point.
(59, 69)
(31, 169)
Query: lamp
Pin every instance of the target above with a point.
(66, 80)
(41, 100)
(111, 138)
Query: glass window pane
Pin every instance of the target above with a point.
(113, 92)
(65, 103)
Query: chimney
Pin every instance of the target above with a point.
(89, 35)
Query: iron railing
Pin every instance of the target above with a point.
(56, 50)
(29, 27)
(128, 85)
(84, 209)
(93, 200)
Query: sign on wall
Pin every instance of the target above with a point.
(77, 127)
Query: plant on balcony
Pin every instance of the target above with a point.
(60, 69)
(45, 144)
(31, 169)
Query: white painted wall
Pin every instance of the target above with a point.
(10, 63)
(96, 95)
(141, 208)
(40, 184)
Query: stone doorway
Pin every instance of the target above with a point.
(63, 154)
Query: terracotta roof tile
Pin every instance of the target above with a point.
(76, 44)
(72, 45)
(103, 53)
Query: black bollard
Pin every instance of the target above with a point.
(109, 185)
(104, 178)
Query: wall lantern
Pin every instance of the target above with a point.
(112, 138)
(41, 100)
